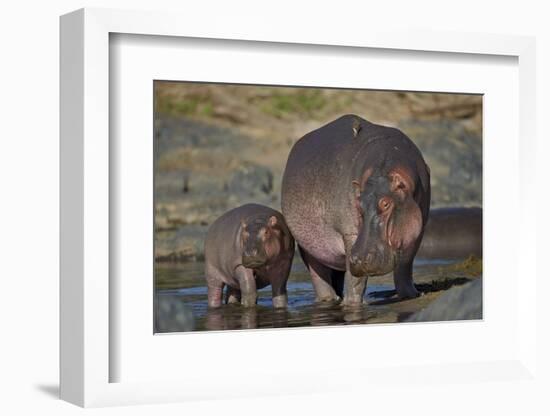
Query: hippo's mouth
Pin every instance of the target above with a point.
(252, 263)
(372, 265)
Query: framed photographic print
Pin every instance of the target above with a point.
(271, 197)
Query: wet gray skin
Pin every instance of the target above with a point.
(356, 198)
(246, 249)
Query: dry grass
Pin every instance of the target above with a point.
(286, 113)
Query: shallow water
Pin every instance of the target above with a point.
(181, 301)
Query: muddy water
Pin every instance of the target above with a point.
(181, 301)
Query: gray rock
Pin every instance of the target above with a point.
(173, 315)
(458, 303)
(184, 244)
(250, 179)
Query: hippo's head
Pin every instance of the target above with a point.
(260, 241)
(390, 222)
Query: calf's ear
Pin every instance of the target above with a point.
(272, 221)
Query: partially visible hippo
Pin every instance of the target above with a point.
(248, 248)
(356, 197)
(453, 233)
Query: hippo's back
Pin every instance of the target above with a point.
(313, 189)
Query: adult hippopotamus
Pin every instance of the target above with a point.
(246, 249)
(356, 197)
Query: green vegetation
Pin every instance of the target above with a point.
(273, 102)
(453, 275)
(472, 266)
(437, 285)
(207, 109)
(301, 102)
(187, 106)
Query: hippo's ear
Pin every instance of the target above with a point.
(400, 180)
(356, 127)
(272, 221)
(424, 174)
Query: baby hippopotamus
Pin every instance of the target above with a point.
(248, 248)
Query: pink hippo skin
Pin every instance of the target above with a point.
(356, 197)
(246, 249)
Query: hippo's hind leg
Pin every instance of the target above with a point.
(232, 295)
(337, 277)
(403, 280)
(215, 287)
(321, 277)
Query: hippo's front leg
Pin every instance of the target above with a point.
(403, 280)
(354, 289)
(247, 284)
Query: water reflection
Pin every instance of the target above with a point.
(238, 317)
(186, 308)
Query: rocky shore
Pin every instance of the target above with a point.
(204, 170)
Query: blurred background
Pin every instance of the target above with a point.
(218, 146)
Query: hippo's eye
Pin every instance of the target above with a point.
(384, 204)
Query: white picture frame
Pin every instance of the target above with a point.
(87, 302)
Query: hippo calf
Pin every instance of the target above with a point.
(246, 249)
(356, 197)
